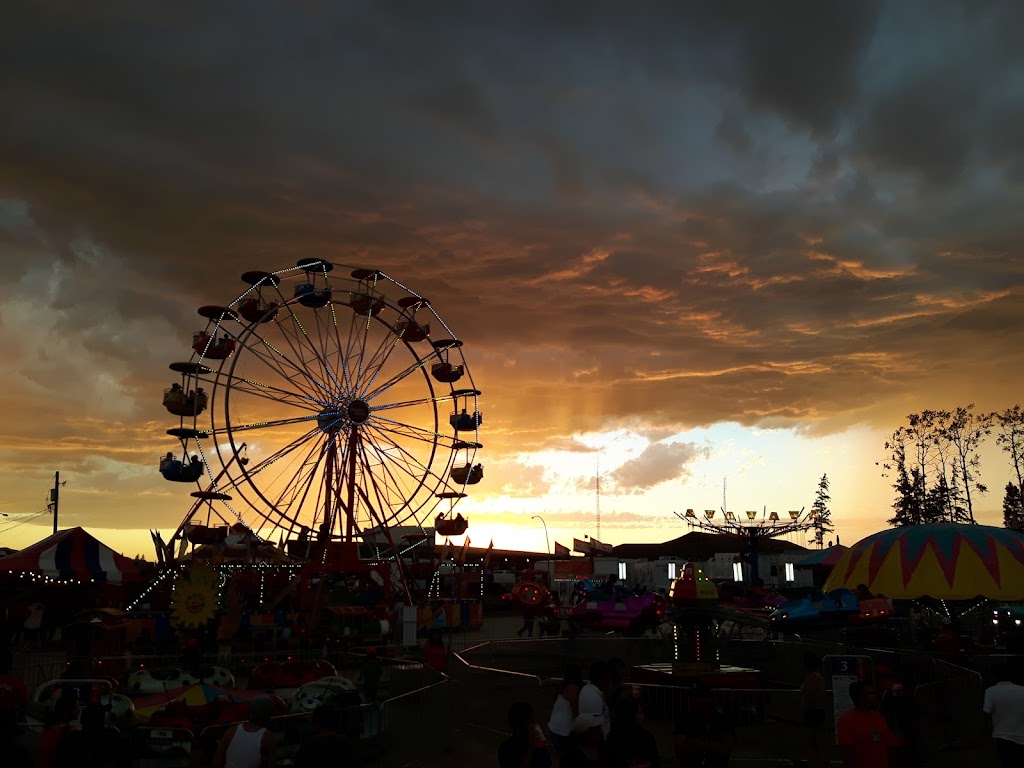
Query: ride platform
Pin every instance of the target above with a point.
(689, 674)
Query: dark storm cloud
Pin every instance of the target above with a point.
(657, 216)
(803, 60)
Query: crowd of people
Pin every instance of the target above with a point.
(600, 723)
(593, 722)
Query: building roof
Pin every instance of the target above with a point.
(695, 545)
(698, 545)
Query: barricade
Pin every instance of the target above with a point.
(38, 668)
(415, 725)
(781, 661)
(948, 711)
(548, 657)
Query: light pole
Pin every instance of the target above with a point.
(547, 544)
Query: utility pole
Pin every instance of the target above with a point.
(54, 504)
(597, 489)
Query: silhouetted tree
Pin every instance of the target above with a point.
(820, 513)
(941, 503)
(935, 457)
(920, 448)
(1013, 508)
(1010, 437)
(965, 431)
(907, 507)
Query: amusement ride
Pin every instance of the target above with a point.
(753, 528)
(328, 408)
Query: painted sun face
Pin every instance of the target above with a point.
(195, 597)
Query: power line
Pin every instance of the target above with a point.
(28, 519)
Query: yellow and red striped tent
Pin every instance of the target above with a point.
(950, 561)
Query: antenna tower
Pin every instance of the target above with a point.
(597, 489)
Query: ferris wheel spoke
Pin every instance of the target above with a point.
(270, 424)
(387, 462)
(376, 362)
(404, 455)
(359, 340)
(282, 452)
(268, 506)
(386, 507)
(408, 430)
(355, 348)
(410, 403)
(277, 361)
(344, 356)
(402, 459)
(293, 338)
(323, 333)
(281, 364)
(376, 515)
(389, 383)
(274, 394)
(300, 480)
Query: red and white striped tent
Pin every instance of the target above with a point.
(73, 554)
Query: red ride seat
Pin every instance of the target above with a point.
(451, 526)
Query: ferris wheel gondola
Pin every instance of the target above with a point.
(333, 381)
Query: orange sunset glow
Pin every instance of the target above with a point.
(688, 267)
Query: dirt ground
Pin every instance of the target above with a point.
(466, 727)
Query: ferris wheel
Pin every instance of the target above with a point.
(323, 403)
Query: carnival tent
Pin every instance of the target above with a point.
(943, 560)
(823, 558)
(70, 555)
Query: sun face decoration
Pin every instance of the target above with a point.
(195, 596)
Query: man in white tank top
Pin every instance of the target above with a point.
(248, 744)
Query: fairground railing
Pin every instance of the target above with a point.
(948, 710)
(548, 658)
(398, 674)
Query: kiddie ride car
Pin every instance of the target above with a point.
(609, 605)
(219, 710)
(532, 596)
(823, 610)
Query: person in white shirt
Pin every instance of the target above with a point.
(1004, 704)
(566, 707)
(249, 744)
(592, 695)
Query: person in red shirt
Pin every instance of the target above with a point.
(435, 652)
(863, 735)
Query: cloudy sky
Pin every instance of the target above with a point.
(682, 242)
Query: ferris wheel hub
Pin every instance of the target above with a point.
(347, 413)
(358, 411)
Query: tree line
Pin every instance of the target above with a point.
(933, 461)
